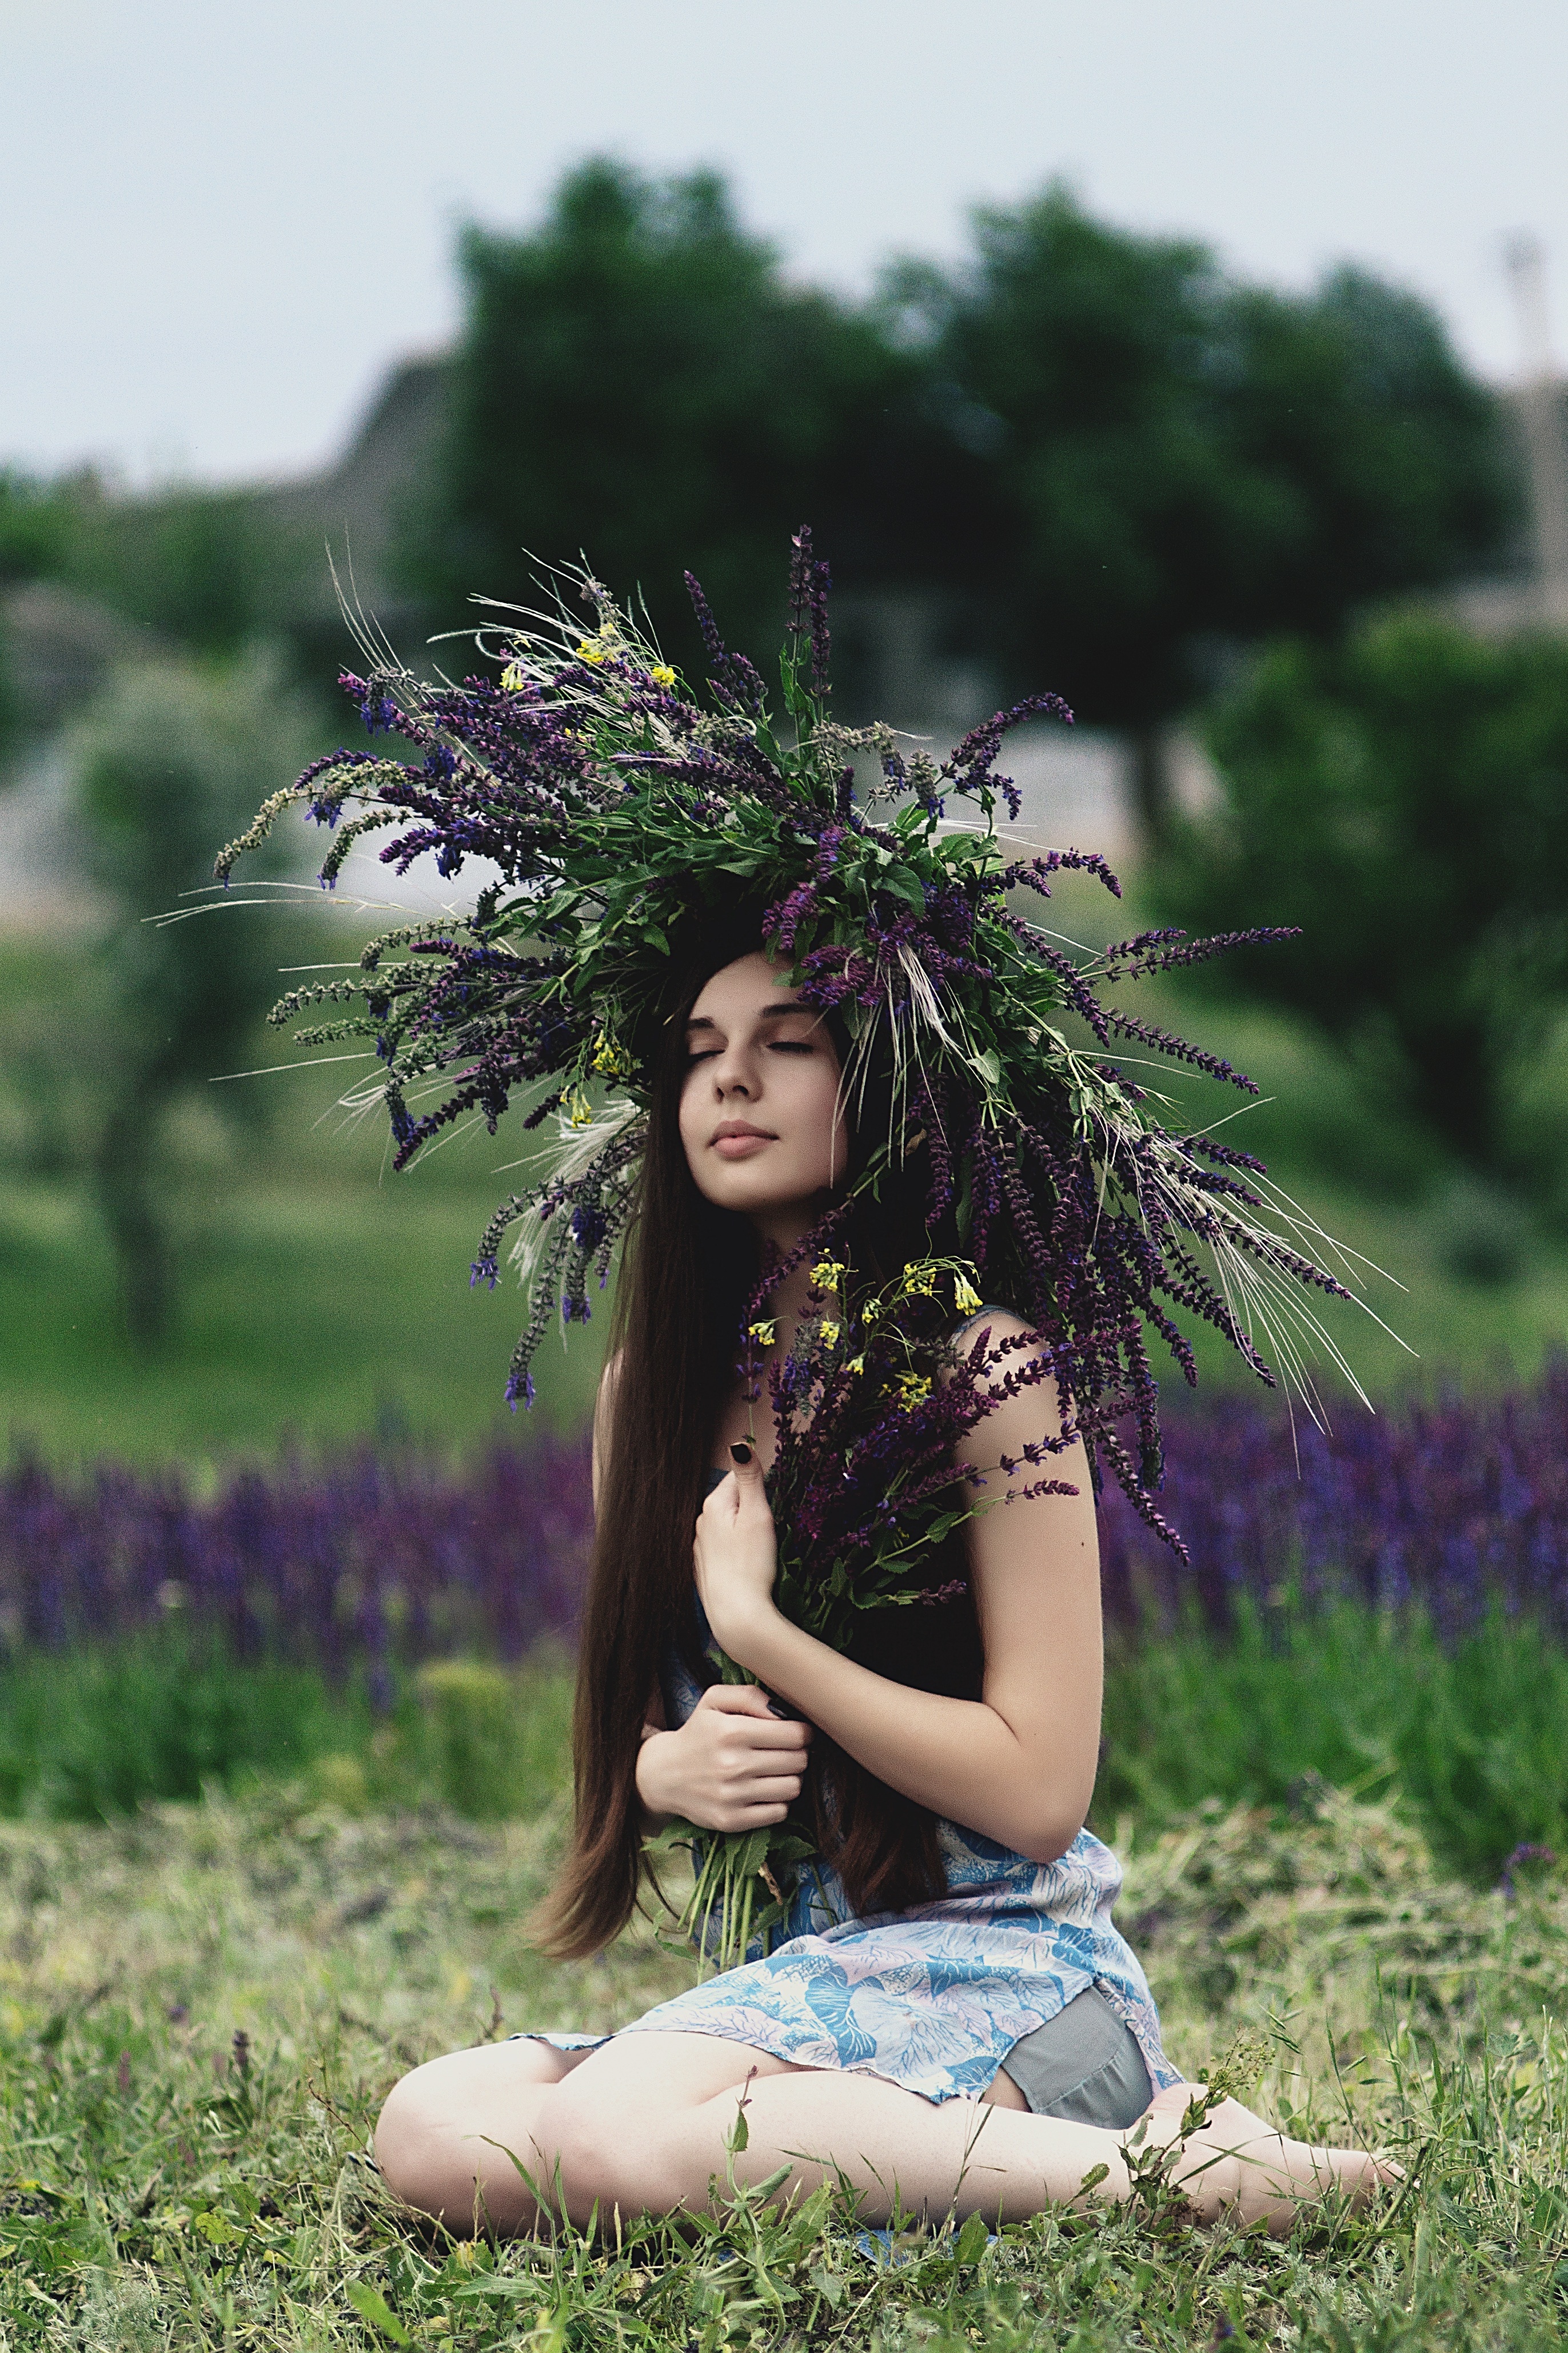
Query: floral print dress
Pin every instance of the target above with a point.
(933, 1999)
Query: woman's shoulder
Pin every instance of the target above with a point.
(604, 1416)
(1026, 1403)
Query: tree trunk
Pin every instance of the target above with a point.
(1151, 785)
(1459, 1089)
(124, 1184)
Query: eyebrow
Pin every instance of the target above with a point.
(764, 1013)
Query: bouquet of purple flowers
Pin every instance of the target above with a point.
(870, 1402)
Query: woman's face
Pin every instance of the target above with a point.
(759, 1115)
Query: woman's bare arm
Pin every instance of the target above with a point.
(1017, 1765)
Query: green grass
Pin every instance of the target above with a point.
(202, 2008)
(315, 1307)
(1470, 1739)
(99, 1730)
(319, 1297)
(1471, 1742)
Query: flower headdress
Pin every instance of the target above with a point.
(622, 810)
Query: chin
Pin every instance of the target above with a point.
(756, 1194)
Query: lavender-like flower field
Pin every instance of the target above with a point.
(377, 1559)
(370, 1561)
(1454, 1506)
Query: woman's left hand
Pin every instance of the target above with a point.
(735, 1556)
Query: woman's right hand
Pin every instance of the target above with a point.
(733, 1765)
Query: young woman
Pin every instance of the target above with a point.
(951, 2023)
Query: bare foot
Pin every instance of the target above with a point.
(1236, 2166)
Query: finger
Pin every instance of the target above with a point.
(772, 1789)
(750, 1490)
(760, 1735)
(767, 1731)
(740, 1699)
(719, 1506)
(746, 1772)
(751, 1818)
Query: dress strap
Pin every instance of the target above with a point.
(978, 1317)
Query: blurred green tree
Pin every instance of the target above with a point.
(35, 520)
(1166, 463)
(1403, 799)
(638, 380)
(171, 764)
(208, 569)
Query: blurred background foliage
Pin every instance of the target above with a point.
(1402, 796)
(1275, 541)
(1208, 511)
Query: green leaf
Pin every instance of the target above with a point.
(972, 2240)
(217, 2230)
(675, 1833)
(899, 883)
(376, 2310)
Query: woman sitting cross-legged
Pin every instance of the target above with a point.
(948, 2020)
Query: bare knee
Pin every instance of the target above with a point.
(412, 2140)
(448, 2132)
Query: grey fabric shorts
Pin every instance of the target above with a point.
(1083, 2064)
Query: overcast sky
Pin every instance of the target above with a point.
(222, 222)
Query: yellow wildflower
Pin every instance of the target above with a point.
(765, 1333)
(966, 1298)
(609, 1061)
(827, 1273)
(591, 650)
(912, 1389)
(661, 674)
(513, 677)
(920, 1280)
(830, 1334)
(856, 1365)
(578, 1109)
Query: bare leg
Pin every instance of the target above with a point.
(1237, 2165)
(434, 2142)
(643, 2126)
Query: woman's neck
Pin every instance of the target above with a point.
(783, 1230)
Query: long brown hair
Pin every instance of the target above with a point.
(686, 1270)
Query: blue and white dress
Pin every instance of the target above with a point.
(934, 1999)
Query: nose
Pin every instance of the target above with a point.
(733, 1072)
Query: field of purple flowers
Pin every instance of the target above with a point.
(1384, 1608)
(1458, 1506)
(373, 1559)
(359, 1565)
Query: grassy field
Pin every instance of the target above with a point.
(202, 2005)
(201, 2009)
(317, 1305)
(322, 1297)
(1468, 1739)
(319, 1297)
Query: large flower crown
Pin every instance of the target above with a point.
(622, 811)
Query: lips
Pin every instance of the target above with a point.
(733, 1139)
